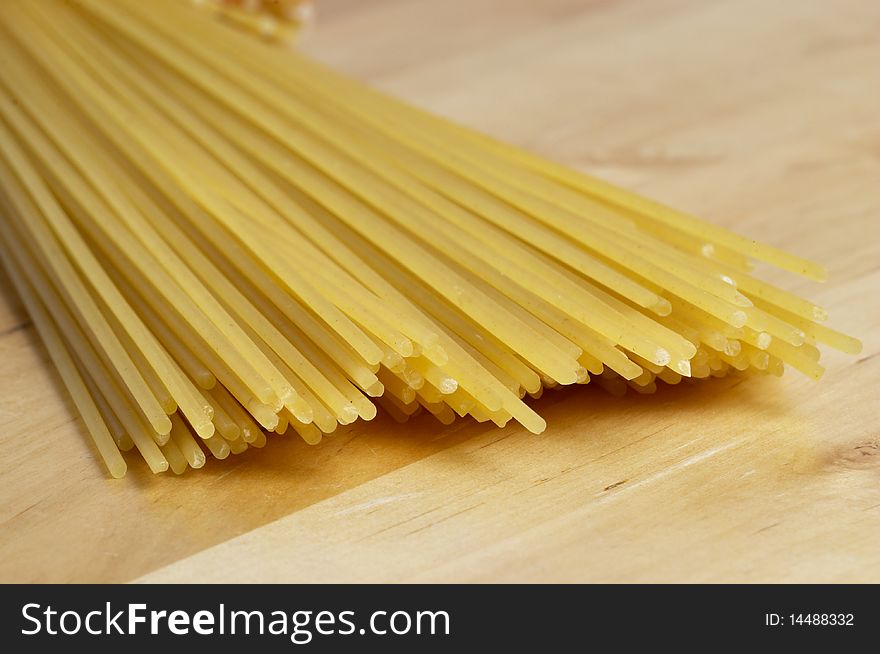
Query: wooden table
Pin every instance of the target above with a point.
(761, 116)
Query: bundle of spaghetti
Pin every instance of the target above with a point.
(218, 240)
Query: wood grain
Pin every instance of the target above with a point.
(760, 116)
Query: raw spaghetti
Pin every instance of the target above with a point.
(214, 249)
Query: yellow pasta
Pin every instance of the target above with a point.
(215, 250)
